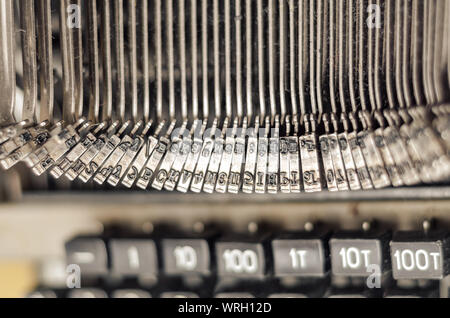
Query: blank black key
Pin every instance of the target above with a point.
(236, 295)
(286, 296)
(87, 293)
(413, 293)
(359, 254)
(130, 293)
(186, 256)
(353, 293)
(417, 255)
(42, 294)
(179, 295)
(133, 257)
(88, 253)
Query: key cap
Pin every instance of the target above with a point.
(130, 293)
(241, 259)
(301, 254)
(88, 253)
(133, 257)
(234, 295)
(87, 293)
(186, 256)
(42, 294)
(353, 293)
(286, 296)
(179, 295)
(415, 293)
(417, 255)
(355, 253)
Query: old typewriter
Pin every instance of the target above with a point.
(225, 148)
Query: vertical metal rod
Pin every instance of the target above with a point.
(292, 58)
(312, 58)
(7, 62)
(272, 92)
(361, 55)
(398, 52)
(416, 51)
(170, 57)
(428, 93)
(67, 64)
(217, 64)
(378, 63)
(29, 60)
(182, 55)
(249, 58)
(371, 66)
(228, 89)
(94, 77)
(438, 66)
(120, 58)
(332, 55)
(282, 51)
(238, 48)
(302, 23)
(342, 70)
(430, 12)
(132, 47)
(78, 64)
(45, 60)
(194, 59)
(106, 54)
(145, 61)
(205, 50)
(389, 61)
(407, 48)
(261, 62)
(159, 49)
(318, 56)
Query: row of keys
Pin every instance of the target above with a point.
(409, 255)
(141, 293)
